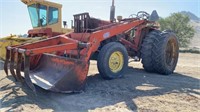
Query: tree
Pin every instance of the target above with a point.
(179, 24)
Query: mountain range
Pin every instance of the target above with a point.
(195, 22)
(190, 15)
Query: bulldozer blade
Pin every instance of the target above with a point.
(26, 73)
(7, 61)
(60, 74)
(12, 64)
(18, 68)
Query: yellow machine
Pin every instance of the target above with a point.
(14, 40)
(46, 19)
(47, 16)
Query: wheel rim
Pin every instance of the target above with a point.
(116, 61)
(171, 53)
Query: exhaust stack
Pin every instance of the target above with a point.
(112, 11)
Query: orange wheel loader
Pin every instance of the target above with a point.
(61, 63)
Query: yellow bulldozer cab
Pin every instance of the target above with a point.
(45, 14)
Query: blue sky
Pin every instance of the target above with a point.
(14, 17)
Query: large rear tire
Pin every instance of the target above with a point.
(167, 53)
(160, 52)
(112, 60)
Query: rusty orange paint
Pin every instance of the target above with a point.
(56, 60)
(69, 43)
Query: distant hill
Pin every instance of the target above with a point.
(191, 15)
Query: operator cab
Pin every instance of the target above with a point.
(42, 15)
(46, 18)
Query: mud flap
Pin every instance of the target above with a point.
(60, 74)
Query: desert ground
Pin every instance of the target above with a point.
(136, 91)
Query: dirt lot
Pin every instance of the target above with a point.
(136, 91)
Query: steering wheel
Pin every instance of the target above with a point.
(42, 20)
(143, 15)
(43, 17)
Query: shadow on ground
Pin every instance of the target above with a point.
(100, 93)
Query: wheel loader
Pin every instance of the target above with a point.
(61, 63)
(46, 21)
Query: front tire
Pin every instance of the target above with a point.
(112, 60)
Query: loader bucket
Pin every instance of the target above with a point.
(60, 74)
